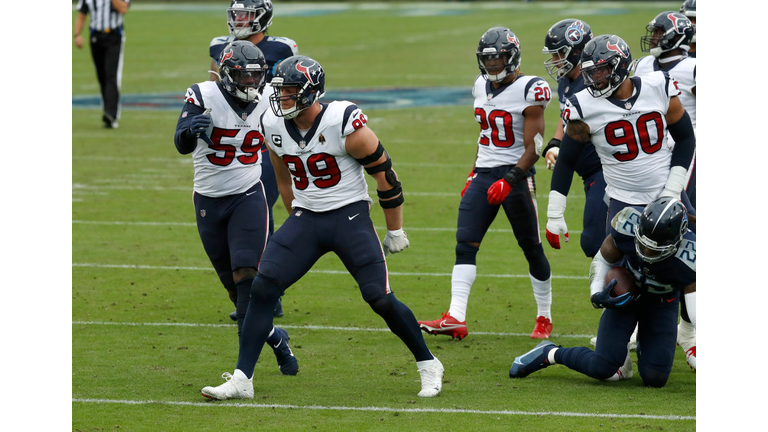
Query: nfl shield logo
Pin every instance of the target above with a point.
(627, 105)
(302, 144)
(202, 213)
(244, 116)
(490, 96)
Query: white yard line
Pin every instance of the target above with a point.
(386, 409)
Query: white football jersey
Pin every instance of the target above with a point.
(325, 177)
(684, 72)
(227, 159)
(500, 114)
(630, 136)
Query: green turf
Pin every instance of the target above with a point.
(132, 207)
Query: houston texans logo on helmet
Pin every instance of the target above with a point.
(575, 32)
(514, 40)
(616, 48)
(305, 70)
(679, 26)
(227, 55)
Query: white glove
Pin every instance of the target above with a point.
(395, 241)
(675, 182)
(556, 219)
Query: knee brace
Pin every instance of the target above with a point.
(466, 253)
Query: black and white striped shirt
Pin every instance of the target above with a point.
(103, 17)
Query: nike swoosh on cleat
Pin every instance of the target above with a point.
(278, 344)
(450, 326)
(352, 217)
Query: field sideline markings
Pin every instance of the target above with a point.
(193, 224)
(339, 272)
(305, 327)
(386, 409)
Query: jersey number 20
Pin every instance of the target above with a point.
(496, 119)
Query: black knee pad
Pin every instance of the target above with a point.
(232, 295)
(466, 253)
(652, 377)
(383, 305)
(265, 290)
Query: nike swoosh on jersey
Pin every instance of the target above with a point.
(249, 194)
(352, 217)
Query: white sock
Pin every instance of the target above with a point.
(462, 278)
(551, 356)
(542, 292)
(425, 363)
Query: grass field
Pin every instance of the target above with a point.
(150, 322)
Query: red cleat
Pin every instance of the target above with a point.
(446, 325)
(543, 328)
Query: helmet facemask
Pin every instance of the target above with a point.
(501, 62)
(244, 22)
(602, 80)
(558, 68)
(244, 84)
(302, 99)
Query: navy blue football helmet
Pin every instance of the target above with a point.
(567, 38)
(668, 31)
(498, 43)
(303, 73)
(662, 226)
(605, 64)
(248, 17)
(689, 9)
(243, 70)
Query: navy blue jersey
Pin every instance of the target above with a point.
(589, 161)
(275, 48)
(662, 277)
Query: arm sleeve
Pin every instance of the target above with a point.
(685, 141)
(562, 177)
(186, 142)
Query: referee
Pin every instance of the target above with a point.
(107, 40)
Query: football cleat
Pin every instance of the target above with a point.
(531, 361)
(237, 386)
(285, 358)
(446, 325)
(633, 340)
(625, 371)
(543, 328)
(431, 379)
(593, 341)
(686, 338)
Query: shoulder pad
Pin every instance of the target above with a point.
(287, 41)
(219, 40)
(625, 221)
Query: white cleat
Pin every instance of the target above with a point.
(633, 340)
(236, 387)
(625, 371)
(686, 338)
(431, 379)
(593, 341)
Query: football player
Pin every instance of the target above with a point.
(668, 40)
(218, 126)
(509, 107)
(564, 43)
(688, 9)
(320, 153)
(660, 251)
(249, 20)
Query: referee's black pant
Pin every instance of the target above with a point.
(107, 52)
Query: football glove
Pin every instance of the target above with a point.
(472, 175)
(555, 219)
(395, 241)
(498, 191)
(200, 124)
(604, 299)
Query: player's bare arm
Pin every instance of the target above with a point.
(534, 125)
(363, 143)
(284, 180)
(690, 288)
(675, 111)
(610, 251)
(578, 130)
(213, 72)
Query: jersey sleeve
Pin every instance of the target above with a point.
(352, 120)
(217, 46)
(194, 96)
(671, 85)
(537, 92)
(623, 228)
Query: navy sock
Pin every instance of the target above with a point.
(243, 288)
(257, 323)
(402, 322)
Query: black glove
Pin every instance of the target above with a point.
(604, 299)
(200, 123)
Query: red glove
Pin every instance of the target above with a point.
(498, 192)
(469, 180)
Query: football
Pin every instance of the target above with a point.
(624, 281)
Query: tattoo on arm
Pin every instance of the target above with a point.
(578, 130)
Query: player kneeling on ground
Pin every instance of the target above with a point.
(660, 251)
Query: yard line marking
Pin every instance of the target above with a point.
(308, 327)
(339, 272)
(385, 409)
(193, 224)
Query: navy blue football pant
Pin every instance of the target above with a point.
(302, 239)
(233, 230)
(656, 319)
(595, 214)
(476, 215)
(270, 185)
